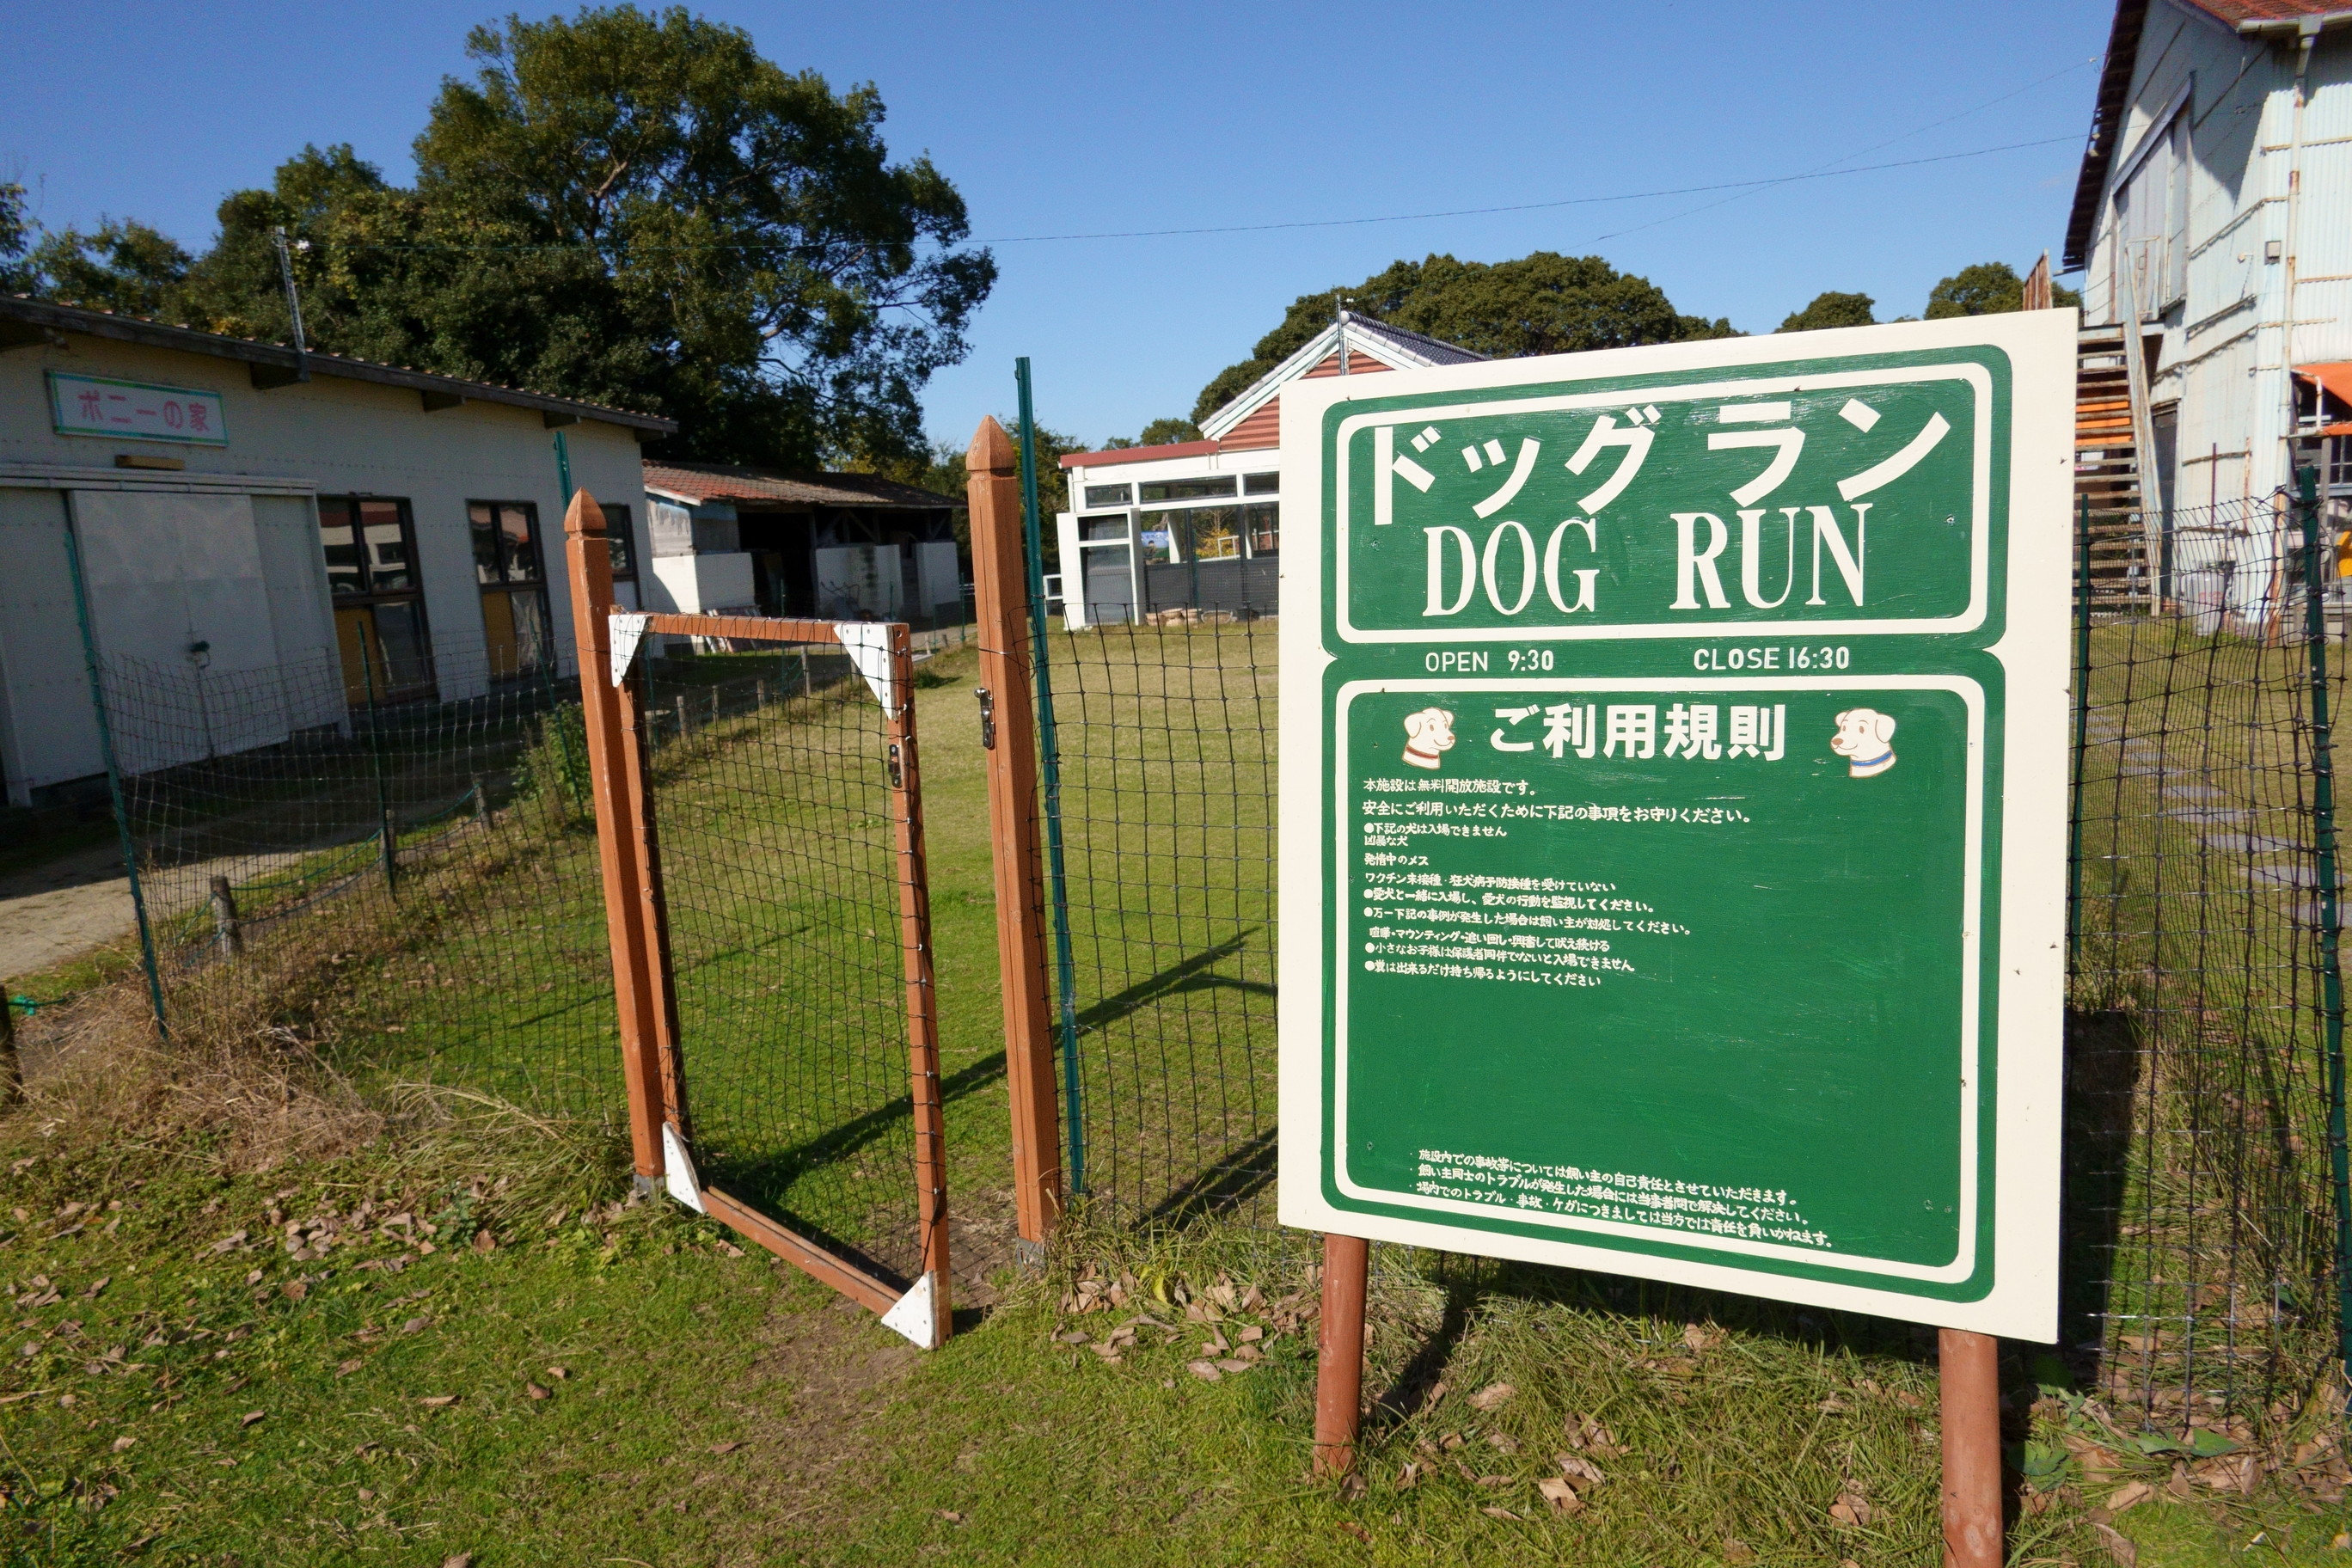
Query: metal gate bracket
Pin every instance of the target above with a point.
(867, 644)
(914, 1316)
(628, 629)
(679, 1165)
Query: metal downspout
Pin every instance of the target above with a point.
(2307, 34)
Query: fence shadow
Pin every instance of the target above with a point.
(2104, 1054)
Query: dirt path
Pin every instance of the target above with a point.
(55, 911)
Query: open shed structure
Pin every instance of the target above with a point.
(735, 540)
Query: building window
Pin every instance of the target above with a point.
(512, 571)
(1261, 484)
(1109, 495)
(623, 543)
(1189, 489)
(370, 547)
(1263, 527)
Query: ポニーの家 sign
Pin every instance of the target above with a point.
(135, 410)
(1674, 808)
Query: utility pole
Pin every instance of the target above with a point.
(1339, 322)
(293, 301)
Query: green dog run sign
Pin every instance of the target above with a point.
(1673, 810)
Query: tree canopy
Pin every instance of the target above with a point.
(1831, 310)
(1987, 289)
(1544, 303)
(623, 206)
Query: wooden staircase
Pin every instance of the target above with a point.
(2107, 471)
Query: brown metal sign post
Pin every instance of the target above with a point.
(1340, 1353)
(1968, 1368)
(1008, 730)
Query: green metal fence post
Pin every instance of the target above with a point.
(1049, 763)
(387, 839)
(2331, 975)
(113, 770)
(2081, 732)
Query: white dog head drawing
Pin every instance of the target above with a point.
(1428, 734)
(1861, 738)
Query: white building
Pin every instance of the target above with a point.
(238, 506)
(2212, 222)
(1198, 524)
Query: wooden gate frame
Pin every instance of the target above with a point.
(629, 850)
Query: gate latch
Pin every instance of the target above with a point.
(987, 718)
(897, 774)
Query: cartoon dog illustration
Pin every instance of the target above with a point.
(1429, 734)
(1861, 738)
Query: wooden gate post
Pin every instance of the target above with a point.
(591, 568)
(1340, 1353)
(1968, 1369)
(904, 771)
(1009, 732)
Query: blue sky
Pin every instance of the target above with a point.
(1071, 119)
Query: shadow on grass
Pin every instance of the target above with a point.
(1229, 1183)
(1194, 973)
(766, 1182)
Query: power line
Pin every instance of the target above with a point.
(1530, 206)
(1861, 152)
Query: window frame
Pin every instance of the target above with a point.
(510, 585)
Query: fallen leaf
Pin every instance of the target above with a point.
(1205, 1371)
(123, 1442)
(731, 1249)
(1736, 1552)
(485, 1242)
(1578, 1468)
(1493, 1513)
(1071, 1337)
(100, 1283)
(2137, 1492)
(2119, 1546)
(724, 1447)
(436, 1401)
(1502, 1442)
(1560, 1494)
(250, 1416)
(1350, 1527)
(951, 1516)
(1494, 1480)
(1491, 1395)
(345, 1369)
(1699, 1337)
(414, 1324)
(295, 1289)
(458, 1560)
(534, 1391)
(559, 1373)
(1410, 1477)
(254, 1278)
(1852, 1508)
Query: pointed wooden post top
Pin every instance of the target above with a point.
(583, 515)
(992, 451)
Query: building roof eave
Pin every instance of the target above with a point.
(286, 365)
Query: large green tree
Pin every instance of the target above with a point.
(635, 209)
(15, 239)
(1831, 310)
(1987, 289)
(125, 267)
(1544, 303)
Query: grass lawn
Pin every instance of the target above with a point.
(550, 1373)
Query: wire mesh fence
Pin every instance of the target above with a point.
(772, 791)
(1167, 744)
(411, 885)
(2198, 1212)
